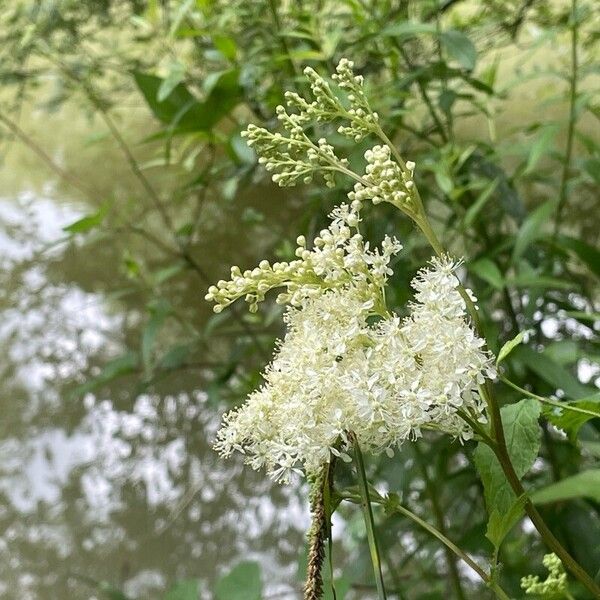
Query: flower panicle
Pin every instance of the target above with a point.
(339, 257)
(294, 158)
(336, 371)
(554, 586)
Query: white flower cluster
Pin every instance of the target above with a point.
(340, 258)
(362, 119)
(294, 158)
(384, 180)
(335, 373)
(555, 585)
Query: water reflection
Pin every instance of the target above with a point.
(122, 487)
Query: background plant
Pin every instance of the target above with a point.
(509, 169)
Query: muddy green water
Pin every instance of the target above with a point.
(121, 486)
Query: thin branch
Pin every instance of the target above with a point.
(566, 172)
(439, 517)
(368, 517)
(45, 157)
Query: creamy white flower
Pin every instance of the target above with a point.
(335, 372)
(340, 258)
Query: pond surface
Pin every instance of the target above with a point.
(122, 487)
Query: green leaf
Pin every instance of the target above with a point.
(241, 583)
(225, 45)
(167, 273)
(159, 311)
(564, 352)
(532, 228)
(509, 346)
(589, 255)
(88, 222)
(487, 270)
(408, 29)
(106, 590)
(175, 76)
(523, 437)
(531, 280)
(569, 420)
(460, 48)
(188, 589)
(582, 485)
(500, 524)
(475, 208)
(123, 365)
(175, 357)
(182, 111)
(551, 372)
(583, 316)
(179, 16)
(540, 147)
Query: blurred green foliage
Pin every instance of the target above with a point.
(497, 104)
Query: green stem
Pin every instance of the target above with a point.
(566, 173)
(500, 448)
(327, 488)
(563, 405)
(368, 516)
(439, 517)
(454, 548)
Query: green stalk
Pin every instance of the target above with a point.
(563, 405)
(500, 593)
(566, 173)
(368, 516)
(499, 446)
(327, 487)
(439, 517)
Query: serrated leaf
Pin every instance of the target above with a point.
(523, 438)
(460, 48)
(509, 346)
(582, 485)
(188, 589)
(243, 582)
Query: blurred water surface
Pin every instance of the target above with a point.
(121, 486)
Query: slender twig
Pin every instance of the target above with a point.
(439, 517)
(563, 405)
(499, 445)
(566, 172)
(368, 517)
(423, 92)
(41, 153)
(487, 578)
